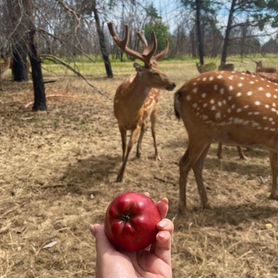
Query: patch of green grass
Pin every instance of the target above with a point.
(184, 67)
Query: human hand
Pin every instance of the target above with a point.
(152, 262)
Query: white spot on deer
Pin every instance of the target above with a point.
(219, 103)
(267, 85)
(231, 88)
(268, 95)
(257, 102)
(224, 101)
(273, 109)
(218, 115)
(238, 94)
(267, 106)
(204, 117)
(195, 90)
(213, 107)
(220, 76)
(205, 105)
(246, 106)
(230, 97)
(256, 113)
(222, 90)
(194, 83)
(250, 113)
(204, 78)
(211, 78)
(231, 77)
(249, 93)
(188, 97)
(212, 101)
(233, 106)
(203, 95)
(266, 128)
(272, 129)
(238, 110)
(229, 110)
(215, 87)
(274, 104)
(195, 104)
(251, 82)
(260, 88)
(264, 117)
(242, 78)
(239, 84)
(274, 96)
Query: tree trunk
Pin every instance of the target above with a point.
(199, 31)
(38, 84)
(244, 30)
(17, 22)
(227, 34)
(103, 48)
(19, 62)
(193, 45)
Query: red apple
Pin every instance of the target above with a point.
(130, 221)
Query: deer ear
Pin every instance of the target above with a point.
(138, 67)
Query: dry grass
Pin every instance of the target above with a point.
(58, 171)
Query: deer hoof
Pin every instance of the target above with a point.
(273, 196)
(157, 158)
(119, 178)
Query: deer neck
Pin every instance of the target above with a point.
(138, 92)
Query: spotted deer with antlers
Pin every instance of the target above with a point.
(229, 107)
(136, 98)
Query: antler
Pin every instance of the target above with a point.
(158, 56)
(148, 52)
(163, 53)
(142, 38)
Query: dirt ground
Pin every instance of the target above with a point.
(58, 171)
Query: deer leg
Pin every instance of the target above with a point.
(219, 151)
(153, 122)
(274, 167)
(192, 154)
(198, 169)
(133, 138)
(123, 136)
(240, 153)
(139, 145)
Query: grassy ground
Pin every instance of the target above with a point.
(58, 171)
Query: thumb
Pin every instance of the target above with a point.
(102, 243)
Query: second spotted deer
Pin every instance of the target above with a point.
(136, 98)
(229, 107)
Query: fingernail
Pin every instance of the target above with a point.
(161, 235)
(93, 229)
(165, 200)
(163, 223)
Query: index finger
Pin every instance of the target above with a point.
(163, 207)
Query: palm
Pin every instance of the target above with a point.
(155, 262)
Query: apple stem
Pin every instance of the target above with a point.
(125, 217)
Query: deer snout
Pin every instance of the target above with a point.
(171, 86)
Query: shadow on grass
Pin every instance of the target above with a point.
(86, 176)
(229, 214)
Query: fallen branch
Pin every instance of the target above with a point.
(59, 61)
(49, 96)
